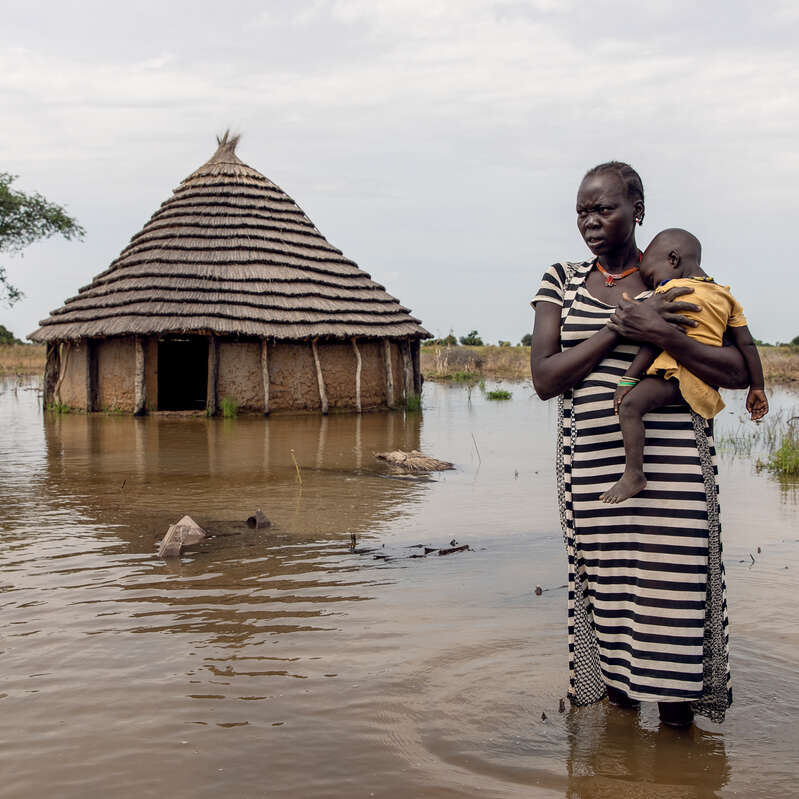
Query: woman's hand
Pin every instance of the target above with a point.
(640, 320)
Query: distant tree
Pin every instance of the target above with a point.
(472, 339)
(527, 340)
(447, 341)
(25, 218)
(502, 343)
(7, 337)
(795, 341)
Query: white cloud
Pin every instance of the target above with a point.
(427, 138)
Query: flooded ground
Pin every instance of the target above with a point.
(278, 662)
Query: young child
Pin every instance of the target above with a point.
(655, 379)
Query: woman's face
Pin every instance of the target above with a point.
(605, 214)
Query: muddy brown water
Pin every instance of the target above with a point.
(280, 663)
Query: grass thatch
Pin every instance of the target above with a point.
(21, 359)
(231, 253)
(413, 461)
(780, 364)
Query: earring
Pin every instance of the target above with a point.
(639, 220)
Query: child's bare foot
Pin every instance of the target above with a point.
(631, 483)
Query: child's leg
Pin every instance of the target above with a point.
(651, 393)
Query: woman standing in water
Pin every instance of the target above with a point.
(647, 604)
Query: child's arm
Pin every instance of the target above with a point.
(642, 361)
(756, 402)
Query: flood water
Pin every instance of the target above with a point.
(281, 663)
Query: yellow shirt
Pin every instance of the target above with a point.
(719, 310)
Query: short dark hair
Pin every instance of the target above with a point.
(629, 178)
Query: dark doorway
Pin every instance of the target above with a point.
(182, 373)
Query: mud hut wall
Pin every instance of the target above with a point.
(151, 372)
(292, 376)
(73, 384)
(397, 369)
(373, 374)
(116, 367)
(337, 359)
(240, 374)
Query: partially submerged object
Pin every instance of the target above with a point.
(182, 534)
(413, 461)
(258, 520)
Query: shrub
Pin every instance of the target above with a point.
(527, 340)
(498, 394)
(7, 337)
(447, 341)
(472, 339)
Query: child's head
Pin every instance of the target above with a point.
(672, 253)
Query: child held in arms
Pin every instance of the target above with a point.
(655, 379)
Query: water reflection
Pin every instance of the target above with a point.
(145, 473)
(614, 753)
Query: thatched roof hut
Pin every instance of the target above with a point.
(227, 286)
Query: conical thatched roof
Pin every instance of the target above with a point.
(230, 253)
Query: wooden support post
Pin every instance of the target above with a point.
(407, 368)
(357, 375)
(63, 360)
(52, 368)
(389, 372)
(140, 388)
(213, 375)
(416, 357)
(91, 376)
(265, 373)
(319, 378)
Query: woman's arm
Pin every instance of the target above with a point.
(650, 321)
(554, 371)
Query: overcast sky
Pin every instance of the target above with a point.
(438, 143)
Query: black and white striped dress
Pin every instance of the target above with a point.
(647, 600)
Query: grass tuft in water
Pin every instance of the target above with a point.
(229, 407)
(785, 458)
(498, 394)
(413, 402)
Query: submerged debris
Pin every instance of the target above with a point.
(450, 550)
(182, 534)
(258, 520)
(413, 461)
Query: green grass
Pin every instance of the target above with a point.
(58, 407)
(774, 442)
(229, 407)
(784, 460)
(413, 402)
(464, 377)
(498, 394)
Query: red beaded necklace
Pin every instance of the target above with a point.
(610, 277)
